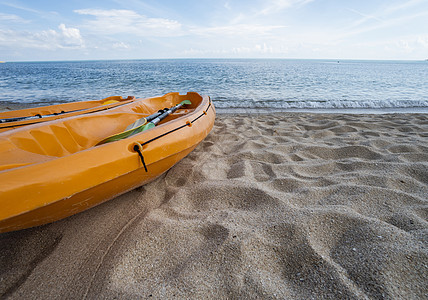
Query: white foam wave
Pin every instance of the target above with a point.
(333, 104)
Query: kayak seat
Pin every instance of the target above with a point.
(71, 135)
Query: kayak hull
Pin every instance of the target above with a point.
(43, 192)
(91, 197)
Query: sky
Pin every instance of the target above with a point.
(42, 30)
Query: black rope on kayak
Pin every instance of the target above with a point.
(137, 148)
(163, 134)
(173, 130)
(59, 113)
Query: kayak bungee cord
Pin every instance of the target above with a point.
(138, 147)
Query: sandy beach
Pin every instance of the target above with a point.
(282, 206)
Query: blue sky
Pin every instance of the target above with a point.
(132, 29)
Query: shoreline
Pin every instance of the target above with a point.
(230, 111)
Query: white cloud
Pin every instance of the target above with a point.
(412, 44)
(423, 41)
(69, 37)
(238, 31)
(260, 49)
(66, 38)
(365, 18)
(117, 21)
(257, 50)
(20, 7)
(12, 18)
(121, 45)
(404, 46)
(274, 6)
(387, 23)
(402, 6)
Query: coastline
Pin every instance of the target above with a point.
(282, 205)
(250, 111)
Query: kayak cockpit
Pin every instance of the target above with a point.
(50, 140)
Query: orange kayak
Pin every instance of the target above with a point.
(16, 118)
(54, 169)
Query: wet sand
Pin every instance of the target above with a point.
(288, 206)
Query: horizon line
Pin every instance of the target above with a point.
(214, 58)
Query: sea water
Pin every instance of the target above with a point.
(233, 84)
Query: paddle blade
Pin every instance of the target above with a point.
(129, 132)
(136, 124)
(146, 127)
(185, 102)
(117, 137)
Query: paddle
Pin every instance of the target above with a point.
(144, 123)
(131, 129)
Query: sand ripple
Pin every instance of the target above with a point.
(286, 206)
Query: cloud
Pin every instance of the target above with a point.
(387, 23)
(69, 37)
(20, 7)
(415, 45)
(275, 6)
(250, 51)
(116, 21)
(121, 45)
(402, 6)
(388, 16)
(12, 18)
(111, 22)
(423, 41)
(365, 18)
(65, 38)
(239, 30)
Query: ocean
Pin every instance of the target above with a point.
(233, 84)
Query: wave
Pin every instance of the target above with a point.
(327, 104)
